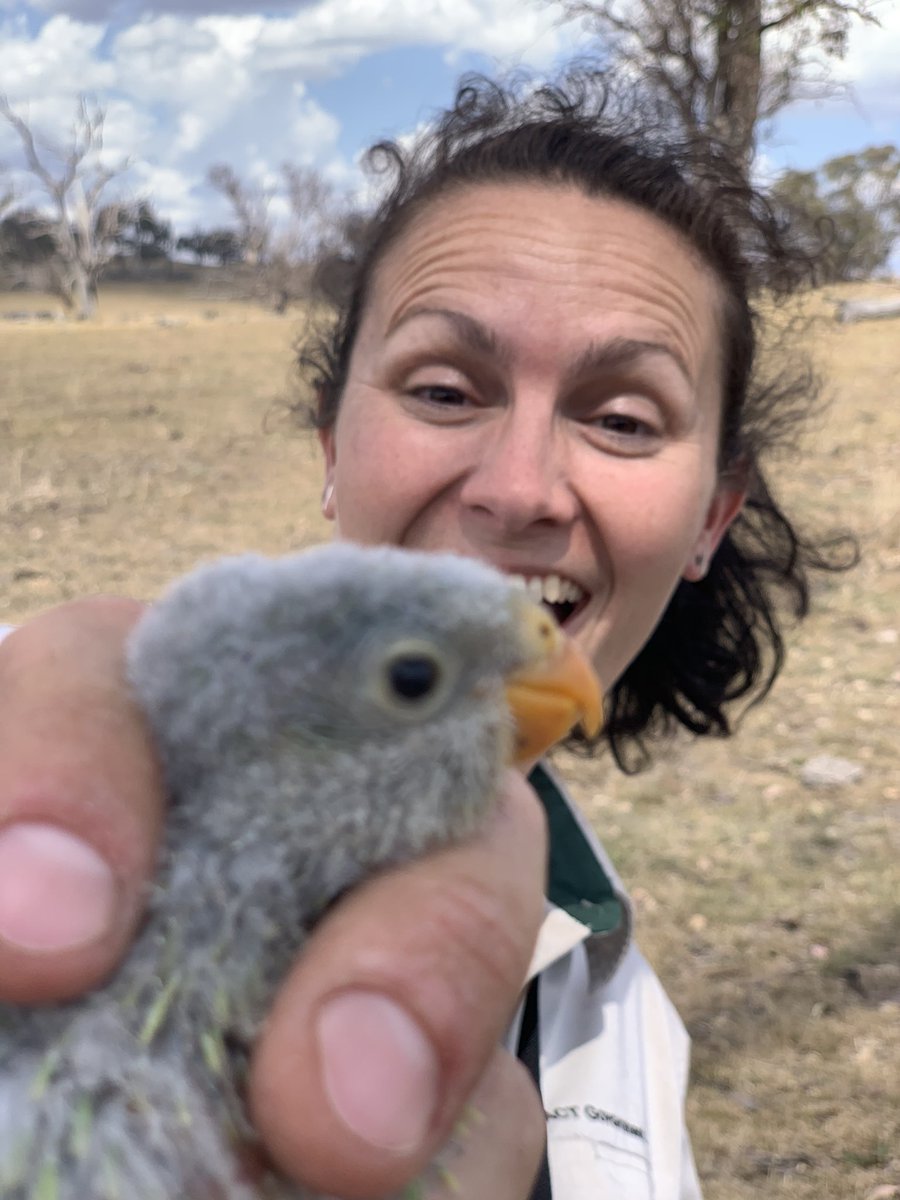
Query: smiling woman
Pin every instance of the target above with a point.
(547, 360)
(546, 357)
(536, 383)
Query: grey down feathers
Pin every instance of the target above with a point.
(317, 717)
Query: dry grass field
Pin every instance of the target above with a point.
(136, 445)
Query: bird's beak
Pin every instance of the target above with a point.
(555, 690)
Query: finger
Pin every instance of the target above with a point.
(496, 1147)
(384, 1027)
(80, 801)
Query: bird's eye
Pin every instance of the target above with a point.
(413, 676)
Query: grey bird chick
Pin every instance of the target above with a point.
(317, 717)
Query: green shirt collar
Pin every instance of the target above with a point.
(577, 882)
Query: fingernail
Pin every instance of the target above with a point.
(380, 1071)
(56, 892)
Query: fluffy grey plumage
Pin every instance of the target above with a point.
(318, 716)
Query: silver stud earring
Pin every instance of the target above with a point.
(327, 495)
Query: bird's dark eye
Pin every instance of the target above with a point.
(414, 676)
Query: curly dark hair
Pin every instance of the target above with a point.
(720, 639)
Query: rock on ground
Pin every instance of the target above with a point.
(827, 771)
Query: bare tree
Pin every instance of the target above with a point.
(284, 229)
(8, 195)
(73, 179)
(250, 204)
(723, 66)
(316, 209)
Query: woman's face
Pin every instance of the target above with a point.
(536, 382)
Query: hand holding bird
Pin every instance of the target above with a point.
(318, 717)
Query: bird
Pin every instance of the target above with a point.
(318, 717)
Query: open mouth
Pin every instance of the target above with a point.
(561, 597)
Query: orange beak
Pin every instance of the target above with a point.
(555, 690)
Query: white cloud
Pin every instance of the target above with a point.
(873, 48)
(185, 65)
(190, 82)
(324, 35)
(61, 60)
(327, 36)
(172, 193)
(865, 112)
(871, 66)
(766, 169)
(187, 82)
(93, 10)
(526, 34)
(313, 133)
(128, 130)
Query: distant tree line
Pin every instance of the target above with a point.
(212, 246)
(65, 230)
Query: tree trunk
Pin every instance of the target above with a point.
(83, 295)
(735, 106)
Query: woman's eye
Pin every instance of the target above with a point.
(624, 425)
(625, 432)
(436, 393)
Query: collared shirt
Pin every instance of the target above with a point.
(614, 1053)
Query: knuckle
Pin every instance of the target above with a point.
(488, 944)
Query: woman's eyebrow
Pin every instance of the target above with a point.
(598, 357)
(471, 332)
(622, 352)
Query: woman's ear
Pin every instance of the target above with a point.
(326, 441)
(726, 504)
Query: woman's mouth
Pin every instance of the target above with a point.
(562, 597)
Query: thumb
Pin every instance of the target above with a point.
(81, 802)
(384, 1028)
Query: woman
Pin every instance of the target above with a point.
(546, 361)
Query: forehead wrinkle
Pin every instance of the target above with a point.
(417, 270)
(682, 338)
(662, 294)
(434, 254)
(437, 248)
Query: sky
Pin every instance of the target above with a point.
(187, 83)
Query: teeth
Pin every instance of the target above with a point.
(552, 589)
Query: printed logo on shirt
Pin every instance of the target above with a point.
(591, 1158)
(574, 1112)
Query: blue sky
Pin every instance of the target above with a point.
(190, 82)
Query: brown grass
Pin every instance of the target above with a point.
(132, 448)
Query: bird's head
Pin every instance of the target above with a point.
(376, 690)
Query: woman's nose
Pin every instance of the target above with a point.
(521, 475)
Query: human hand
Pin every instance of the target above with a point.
(435, 951)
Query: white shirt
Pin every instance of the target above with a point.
(614, 1053)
